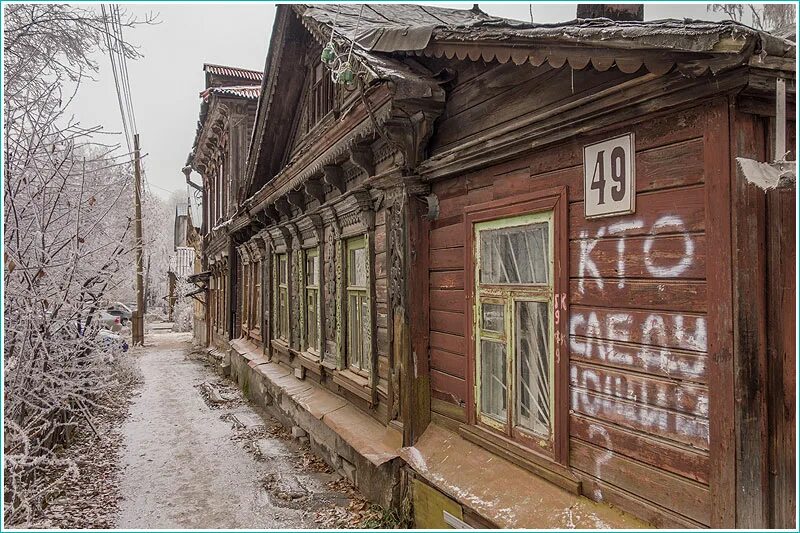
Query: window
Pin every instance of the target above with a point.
(245, 296)
(358, 334)
(255, 313)
(224, 186)
(322, 94)
(514, 293)
(312, 299)
(282, 280)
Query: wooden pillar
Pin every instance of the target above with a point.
(718, 164)
(748, 237)
(408, 230)
(782, 368)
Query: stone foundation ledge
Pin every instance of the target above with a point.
(352, 442)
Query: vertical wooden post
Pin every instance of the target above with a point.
(138, 323)
(748, 232)
(417, 381)
(718, 165)
(782, 368)
(171, 297)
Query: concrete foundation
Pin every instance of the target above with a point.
(351, 442)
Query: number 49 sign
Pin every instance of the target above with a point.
(609, 177)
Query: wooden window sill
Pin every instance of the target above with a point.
(540, 465)
(352, 382)
(281, 346)
(308, 361)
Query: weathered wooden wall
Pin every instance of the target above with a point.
(638, 305)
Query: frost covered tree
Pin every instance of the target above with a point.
(67, 231)
(776, 18)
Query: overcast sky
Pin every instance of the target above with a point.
(166, 81)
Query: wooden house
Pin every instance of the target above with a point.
(514, 274)
(219, 151)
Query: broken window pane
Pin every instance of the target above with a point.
(533, 366)
(518, 254)
(493, 379)
(492, 317)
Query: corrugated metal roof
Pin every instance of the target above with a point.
(234, 72)
(249, 92)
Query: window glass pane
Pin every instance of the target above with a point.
(518, 254)
(311, 317)
(312, 270)
(284, 313)
(354, 331)
(533, 366)
(493, 379)
(365, 348)
(358, 267)
(282, 269)
(492, 317)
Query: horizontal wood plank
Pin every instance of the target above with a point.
(683, 496)
(663, 329)
(449, 363)
(449, 409)
(686, 462)
(447, 237)
(674, 211)
(448, 342)
(448, 300)
(662, 295)
(448, 385)
(447, 280)
(668, 256)
(447, 322)
(678, 364)
(447, 259)
(665, 393)
(662, 423)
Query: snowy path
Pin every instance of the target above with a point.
(185, 464)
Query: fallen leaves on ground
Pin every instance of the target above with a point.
(91, 498)
(310, 462)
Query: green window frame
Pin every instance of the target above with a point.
(357, 316)
(514, 325)
(245, 303)
(282, 292)
(255, 298)
(311, 284)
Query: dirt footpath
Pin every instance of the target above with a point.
(197, 456)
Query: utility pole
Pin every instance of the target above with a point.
(138, 323)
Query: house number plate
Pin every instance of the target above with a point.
(609, 177)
